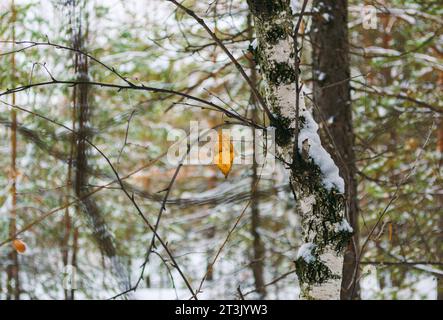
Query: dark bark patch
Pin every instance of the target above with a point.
(275, 33)
(283, 133)
(282, 73)
(265, 9)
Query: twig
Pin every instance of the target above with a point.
(130, 197)
(228, 53)
(59, 46)
(353, 283)
(132, 87)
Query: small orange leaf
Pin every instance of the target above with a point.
(225, 155)
(19, 246)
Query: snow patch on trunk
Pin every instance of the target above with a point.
(321, 157)
(305, 252)
(294, 6)
(343, 226)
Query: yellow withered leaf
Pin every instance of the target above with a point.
(224, 157)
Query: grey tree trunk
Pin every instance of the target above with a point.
(331, 72)
(258, 247)
(318, 188)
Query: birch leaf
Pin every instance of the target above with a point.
(224, 156)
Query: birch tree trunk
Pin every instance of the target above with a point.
(332, 96)
(314, 176)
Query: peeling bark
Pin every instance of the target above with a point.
(313, 174)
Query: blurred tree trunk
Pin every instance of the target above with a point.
(67, 221)
(331, 85)
(257, 263)
(258, 248)
(440, 252)
(88, 205)
(439, 241)
(319, 199)
(13, 281)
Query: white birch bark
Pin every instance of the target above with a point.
(314, 176)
